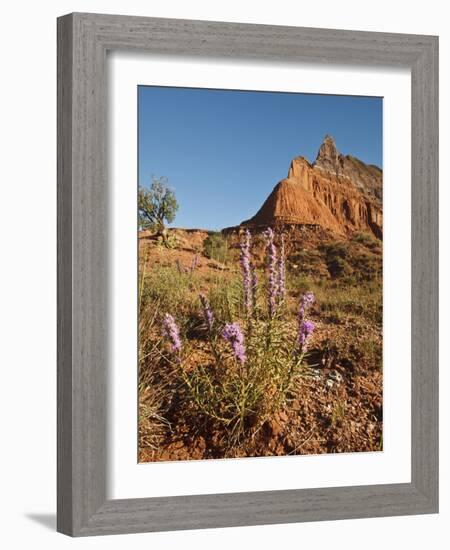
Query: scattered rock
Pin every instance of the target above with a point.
(275, 427)
(336, 376)
(217, 265)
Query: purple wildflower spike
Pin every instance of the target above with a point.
(305, 327)
(306, 301)
(272, 264)
(233, 335)
(170, 330)
(282, 272)
(207, 312)
(246, 272)
(305, 331)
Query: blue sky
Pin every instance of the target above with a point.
(224, 151)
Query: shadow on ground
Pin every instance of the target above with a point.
(46, 520)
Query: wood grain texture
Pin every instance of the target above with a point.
(424, 277)
(64, 244)
(83, 40)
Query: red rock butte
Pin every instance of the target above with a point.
(339, 193)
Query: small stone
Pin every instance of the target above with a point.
(336, 376)
(275, 427)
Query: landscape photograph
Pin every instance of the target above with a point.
(260, 274)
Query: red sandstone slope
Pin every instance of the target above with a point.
(339, 193)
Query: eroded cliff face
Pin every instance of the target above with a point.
(366, 177)
(339, 193)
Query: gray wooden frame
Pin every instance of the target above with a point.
(83, 40)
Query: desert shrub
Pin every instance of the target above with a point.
(335, 258)
(350, 280)
(337, 249)
(368, 266)
(347, 260)
(306, 261)
(216, 247)
(167, 240)
(367, 240)
(256, 362)
(337, 266)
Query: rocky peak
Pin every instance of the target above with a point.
(328, 157)
(367, 178)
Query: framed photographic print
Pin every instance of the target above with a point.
(264, 316)
(247, 274)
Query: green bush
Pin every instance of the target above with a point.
(167, 240)
(216, 247)
(367, 240)
(335, 258)
(337, 266)
(306, 261)
(368, 266)
(349, 260)
(337, 249)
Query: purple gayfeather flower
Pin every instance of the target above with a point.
(272, 264)
(246, 271)
(306, 301)
(170, 330)
(233, 335)
(282, 272)
(305, 331)
(305, 327)
(207, 312)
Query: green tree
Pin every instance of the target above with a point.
(157, 205)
